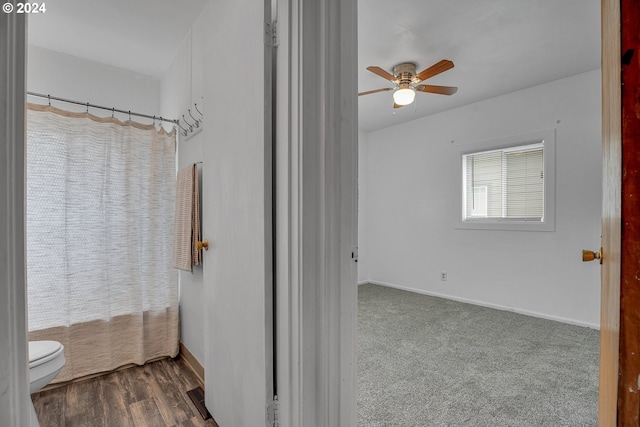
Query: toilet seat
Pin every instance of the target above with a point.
(46, 360)
(43, 351)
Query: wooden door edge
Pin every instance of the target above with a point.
(611, 214)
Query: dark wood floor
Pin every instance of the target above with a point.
(153, 395)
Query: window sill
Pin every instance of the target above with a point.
(505, 225)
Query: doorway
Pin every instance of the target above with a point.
(407, 245)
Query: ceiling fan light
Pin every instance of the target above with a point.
(404, 96)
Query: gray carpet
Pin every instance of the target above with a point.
(429, 362)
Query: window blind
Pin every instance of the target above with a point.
(505, 184)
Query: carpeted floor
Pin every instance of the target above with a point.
(430, 362)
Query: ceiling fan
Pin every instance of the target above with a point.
(407, 82)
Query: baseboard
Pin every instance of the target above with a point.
(488, 305)
(364, 282)
(192, 362)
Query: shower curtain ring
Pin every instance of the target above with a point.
(49, 98)
(87, 108)
(113, 112)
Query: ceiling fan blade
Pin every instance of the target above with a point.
(398, 105)
(435, 69)
(375, 91)
(382, 73)
(441, 90)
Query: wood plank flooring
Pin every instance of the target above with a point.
(153, 395)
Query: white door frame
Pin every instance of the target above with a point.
(14, 384)
(316, 221)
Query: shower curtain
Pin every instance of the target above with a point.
(100, 201)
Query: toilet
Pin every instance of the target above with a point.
(46, 359)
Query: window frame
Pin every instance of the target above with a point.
(546, 137)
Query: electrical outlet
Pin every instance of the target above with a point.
(443, 276)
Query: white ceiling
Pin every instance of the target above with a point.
(498, 46)
(137, 35)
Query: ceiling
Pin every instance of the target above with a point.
(138, 35)
(498, 46)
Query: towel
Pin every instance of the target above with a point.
(196, 257)
(187, 220)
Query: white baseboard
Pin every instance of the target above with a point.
(486, 304)
(364, 282)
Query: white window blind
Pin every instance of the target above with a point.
(504, 184)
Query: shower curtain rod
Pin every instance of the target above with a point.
(113, 110)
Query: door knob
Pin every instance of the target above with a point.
(590, 255)
(203, 245)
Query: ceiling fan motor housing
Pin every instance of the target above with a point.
(405, 73)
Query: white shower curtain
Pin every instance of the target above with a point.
(100, 201)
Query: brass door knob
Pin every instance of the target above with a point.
(590, 255)
(203, 245)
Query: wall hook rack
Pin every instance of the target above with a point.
(195, 127)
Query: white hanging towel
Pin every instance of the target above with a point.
(187, 220)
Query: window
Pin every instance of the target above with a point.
(508, 184)
(479, 203)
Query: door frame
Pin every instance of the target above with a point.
(292, 321)
(629, 344)
(14, 373)
(316, 212)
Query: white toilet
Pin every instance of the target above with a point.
(46, 359)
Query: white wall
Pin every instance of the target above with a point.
(57, 74)
(363, 173)
(411, 206)
(182, 87)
